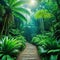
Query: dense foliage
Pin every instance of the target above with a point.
(42, 25)
(10, 47)
(47, 47)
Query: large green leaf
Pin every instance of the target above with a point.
(18, 4)
(22, 10)
(16, 7)
(20, 16)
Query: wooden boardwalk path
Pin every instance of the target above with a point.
(29, 53)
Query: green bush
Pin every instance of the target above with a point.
(22, 41)
(9, 48)
(48, 47)
(39, 39)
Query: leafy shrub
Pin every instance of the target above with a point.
(39, 39)
(50, 44)
(22, 41)
(50, 52)
(48, 47)
(46, 42)
(9, 48)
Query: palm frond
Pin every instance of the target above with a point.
(20, 16)
(22, 10)
(18, 4)
(16, 9)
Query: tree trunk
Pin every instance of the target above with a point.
(42, 25)
(5, 18)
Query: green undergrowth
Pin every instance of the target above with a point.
(11, 47)
(48, 47)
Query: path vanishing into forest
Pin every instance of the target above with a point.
(29, 53)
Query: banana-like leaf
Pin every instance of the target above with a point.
(20, 16)
(22, 10)
(13, 2)
(18, 3)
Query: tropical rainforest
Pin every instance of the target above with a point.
(34, 21)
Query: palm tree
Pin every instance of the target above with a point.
(13, 8)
